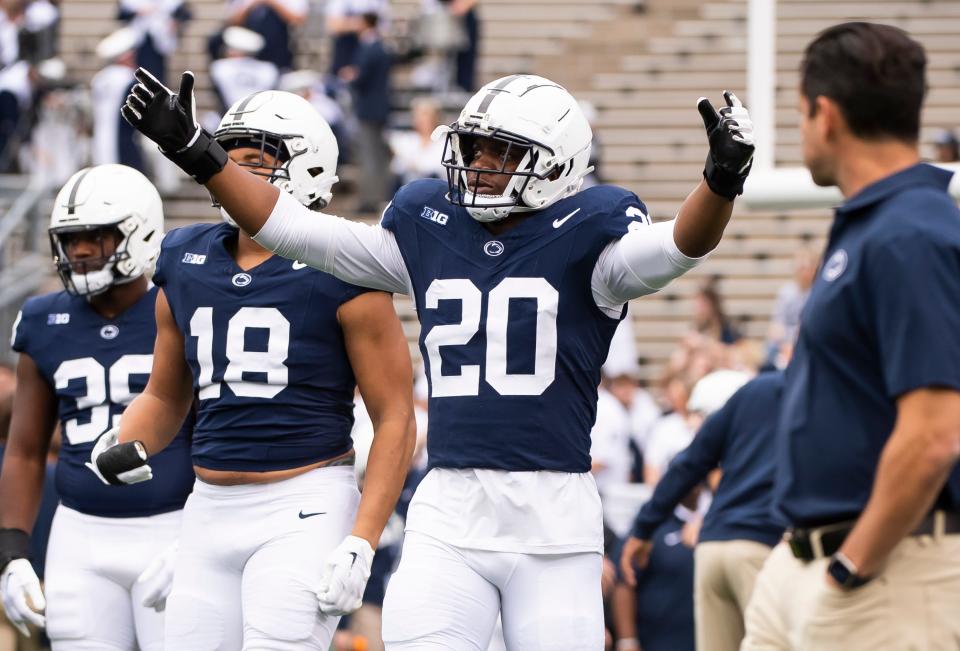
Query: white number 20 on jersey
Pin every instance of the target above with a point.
(467, 382)
(270, 362)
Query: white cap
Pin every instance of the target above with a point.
(52, 69)
(297, 80)
(714, 389)
(243, 40)
(119, 42)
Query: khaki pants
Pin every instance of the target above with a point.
(914, 605)
(724, 573)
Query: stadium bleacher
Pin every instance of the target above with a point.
(643, 65)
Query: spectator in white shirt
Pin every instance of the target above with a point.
(239, 74)
(415, 154)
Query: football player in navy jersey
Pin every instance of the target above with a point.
(277, 542)
(519, 279)
(84, 354)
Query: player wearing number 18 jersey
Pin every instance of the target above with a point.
(84, 354)
(519, 281)
(274, 350)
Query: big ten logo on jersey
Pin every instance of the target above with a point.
(99, 387)
(58, 318)
(498, 300)
(434, 215)
(244, 367)
(194, 258)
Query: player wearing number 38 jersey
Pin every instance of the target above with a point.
(519, 280)
(277, 542)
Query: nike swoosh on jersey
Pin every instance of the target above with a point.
(557, 223)
(298, 265)
(304, 516)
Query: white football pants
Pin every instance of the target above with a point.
(447, 597)
(92, 565)
(250, 559)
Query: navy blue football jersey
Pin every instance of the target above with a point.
(96, 367)
(273, 381)
(511, 336)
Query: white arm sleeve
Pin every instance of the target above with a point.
(357, 253)
(641, 262)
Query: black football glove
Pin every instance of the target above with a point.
(170, 120)
(730, 133)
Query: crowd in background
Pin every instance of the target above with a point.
(51, 125)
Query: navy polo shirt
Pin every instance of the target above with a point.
(739, 439)
(883, 319)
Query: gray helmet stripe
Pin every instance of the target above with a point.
(72, 201)
(492, 93)
(243, 105)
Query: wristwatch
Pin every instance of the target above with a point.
(844, 572)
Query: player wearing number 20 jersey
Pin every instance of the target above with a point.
(85, 353)
(519, 281)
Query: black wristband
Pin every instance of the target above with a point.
(725, 183)
(119, 459)
(14, 544)
(201, 160)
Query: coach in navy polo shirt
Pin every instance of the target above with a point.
(738, 530)
(869, 431)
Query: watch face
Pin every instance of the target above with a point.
(839, 572)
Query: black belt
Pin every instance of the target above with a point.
(820, 542)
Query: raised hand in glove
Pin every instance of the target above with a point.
(344, 577)
(730, 132)
(116, 463)
(170, 120)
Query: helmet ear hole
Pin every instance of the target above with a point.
(315, 171)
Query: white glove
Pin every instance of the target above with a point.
(157, 579)
(126, 463)
(344, 577)
(20, 588)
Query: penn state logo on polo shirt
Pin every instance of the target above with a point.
(835, 266)
(241, 279)
(493, 248)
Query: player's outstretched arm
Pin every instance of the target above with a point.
(155, 416)
(380, 359)
(357, 253)
(21, 487)
(706, 211)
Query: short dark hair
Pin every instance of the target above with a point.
(875, 73)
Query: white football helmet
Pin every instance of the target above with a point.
(524, 111)
(290, 129)
(105, 197)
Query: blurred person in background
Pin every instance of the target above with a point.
(115, 141)
(369, 81)
(671, 433)
(791, 297)
(416, 155)
(947, 147)
(11, 17)
(239, 74)
(311, 86)
(344, 22)
(160, 24)
(84, 355)
(271, 19)
(655, 611)
(738, 530)
(18, 86)
(39, 33)
(709, 317)
(465, 46)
